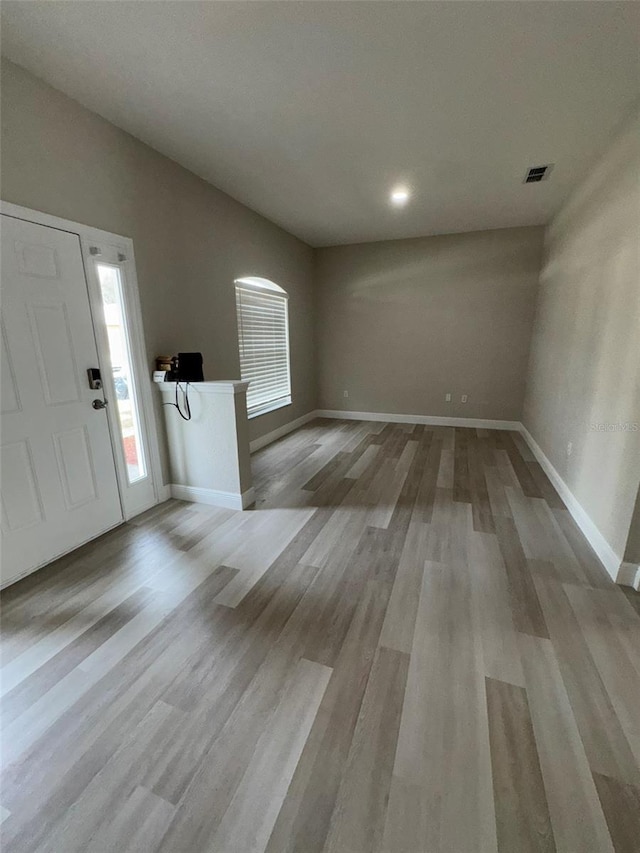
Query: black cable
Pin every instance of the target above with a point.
(184, 417)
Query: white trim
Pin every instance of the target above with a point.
(136, 509)
(255, 282)
(275, 434)
(629, 575)
(224, 386)
(89, 236)
(41, 218)
(164, 493)
(140, 495)
(138, 351)
(273, 406)
(432, 420)
(213, 497)
(607, 556)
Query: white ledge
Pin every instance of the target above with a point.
(223, 386)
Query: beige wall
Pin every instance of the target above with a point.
(191, 240)
(403, 322)
(585, 357)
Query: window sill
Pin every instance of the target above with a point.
(269, 407)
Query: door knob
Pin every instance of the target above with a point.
(99, 404)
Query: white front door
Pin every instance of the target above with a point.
(58, 476)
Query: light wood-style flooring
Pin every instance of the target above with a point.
(407, 646)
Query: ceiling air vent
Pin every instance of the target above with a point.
(537, 173)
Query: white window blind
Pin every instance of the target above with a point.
(263, 334)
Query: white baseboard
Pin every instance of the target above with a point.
(430, 420)
(213, 497)
(607, 556)
(629, 575)
(275, 434)
(164, 493)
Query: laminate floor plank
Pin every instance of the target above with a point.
(28, 691)
(363, 462)
(26, 729)
(617, 669)
(393, 481)
(501, 653)
(139, 825)
(361, 806)
(64, 760)
(617, 604)
(527, 483)
(496, 491)
(576, 814)
(621, 806)
(445, 470)
(603, 736)
(325, 472)
(262, 544)
(253, 736)
(235, 694)
(547, 491)
(522, 814)
(399, 622)
(83, 575)
(503, 465)
(406, 646)
(461, 466)
(443, 744)
(248, 821)
(633, 597)
(77, 623)
(525, 605)
(540, 537)
(304, 820)
(480, 503)
(112, 786)
(339, 603)
(428, 474)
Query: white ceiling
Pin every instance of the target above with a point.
(309, 112)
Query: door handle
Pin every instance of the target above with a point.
(99, 404)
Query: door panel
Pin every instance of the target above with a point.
(51, 335)
(37, 259)
(8, 388)
(75, 466)
(59, 486)
(24, 505)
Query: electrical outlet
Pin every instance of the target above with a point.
(345, 393)
(569, 448)
(463, 399)
(447, 398)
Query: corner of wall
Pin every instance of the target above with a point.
(580, 406)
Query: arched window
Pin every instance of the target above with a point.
(263, 336)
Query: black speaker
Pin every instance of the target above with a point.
(189, 367)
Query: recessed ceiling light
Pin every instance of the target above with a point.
(399, 196)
